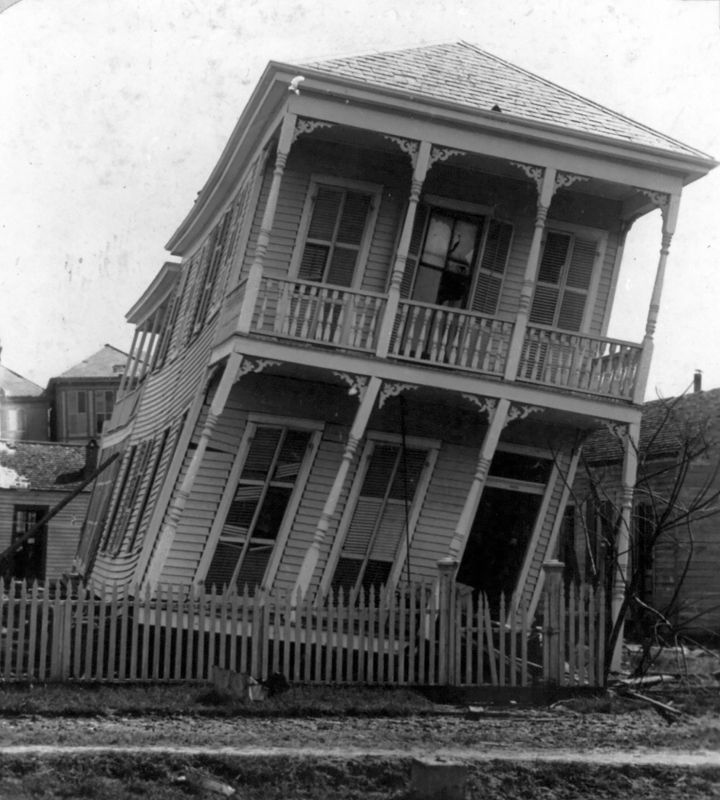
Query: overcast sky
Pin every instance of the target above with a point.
(113, 113)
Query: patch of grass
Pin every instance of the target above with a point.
(77, 700)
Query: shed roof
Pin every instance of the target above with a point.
(41, 466)
(462, 73)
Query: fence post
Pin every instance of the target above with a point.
(553, 586)
(446, 647)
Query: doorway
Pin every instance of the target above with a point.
(29, 561)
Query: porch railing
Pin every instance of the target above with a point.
(451, 338)
(314, 312)
(605, 367)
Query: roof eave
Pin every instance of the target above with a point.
(161, 286)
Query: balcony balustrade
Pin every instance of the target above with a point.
(451, 338)
(314, 312)
(598, 366)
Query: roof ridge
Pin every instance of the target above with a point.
(582, 98)
(373, 51)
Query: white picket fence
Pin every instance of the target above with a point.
(424, 633)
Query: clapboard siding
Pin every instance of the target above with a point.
(444, 501)
(325, 467)
(63, 533)
(257, 219)
(603, 293)
(380, 255)
(515, 271)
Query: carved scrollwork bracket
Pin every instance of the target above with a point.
(308, 126)
(255, 365)
(357, 383)
(616, 429)
(534, 173)
(443, 153)
(393, 390)
(563, 180)
(658, 199)
(486, 404)
(407, 146)
(520, 412)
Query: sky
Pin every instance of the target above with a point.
(114, 112)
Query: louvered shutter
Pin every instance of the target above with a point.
(349, 238)
(492, 267)
(130, 494)
(547, 291)
(222, 568)
(577, 283)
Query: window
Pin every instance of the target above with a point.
(388, 482)
(28, 563)
(209, 269)
(335, 235)
(258, 510)
(17, 422)
(563, 281)
(77, 412)
(104, 402)
(443, 267)
(149, 484)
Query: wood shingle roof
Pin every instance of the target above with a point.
(41, 466)
(461, 73)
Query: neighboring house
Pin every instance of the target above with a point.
(387, 337)
(82, 398)
(23, 408)
(679, 574)
(34, 478)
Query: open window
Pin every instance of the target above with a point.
(387, 493)
(272, 472)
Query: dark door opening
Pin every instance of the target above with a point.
(498, 541)
(29, 562)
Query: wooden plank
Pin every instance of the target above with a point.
(381, 638)
(431, 632)
(330, 640)
(592, 668)
(572, 666)
(371, 640)
(169, 627)
(490, 645)
(287, 619)
(362, 623)
(545, 647)
(190, 638)
(212, 634)
(412, 634)
(256, 634)
(524, 632)
(481, 638)
(297, 652)
(317, 638)
(513, 638)
(157, 629)
(177, 667)
(402, 630)
(307, 654)
(111, 672)
(67, 608)
(245, 632)
(9, 603)
(601, 639)
(422, 612)
(146, 624)
(44, 635)
(582, 594)
(124, 610)
(562, 678)
(32, 635)
(199, 672)
(22, 622)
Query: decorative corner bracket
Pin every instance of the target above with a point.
(407, 146)
(308, 126)
(520, 412)
(658, 199)
(257, 365)
(616, 429)
(486, 404)
(443, 153)
(393, 390)
(563, 180)
(534, 173)
(357, 383)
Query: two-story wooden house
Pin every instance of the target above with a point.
(387, 337)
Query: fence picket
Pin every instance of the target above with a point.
(601, 639)
(592, 670)
(113, 632)
(490, 644)
(22, 622)
(287, 617)
(572, 669)
(513, 639)
(501, 637)
(169, 627)
(581, 634)
(189, 641)
(124, 611)
(32, 635)
(362, 621)
(177, 671)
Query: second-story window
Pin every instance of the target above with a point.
(443, 267)
(104, 401)
(563, 282)
(337, 232)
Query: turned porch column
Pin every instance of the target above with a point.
(307, 569)
(168, 531)
(622, 543)
(546, 189)
(252, 287)
(670, 210)
(393, 301)
(472, 501)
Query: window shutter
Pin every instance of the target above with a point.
(77, 416)
(577, 283)
(492, 267)
(416, 240)
(320, 233)
(547, 292)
